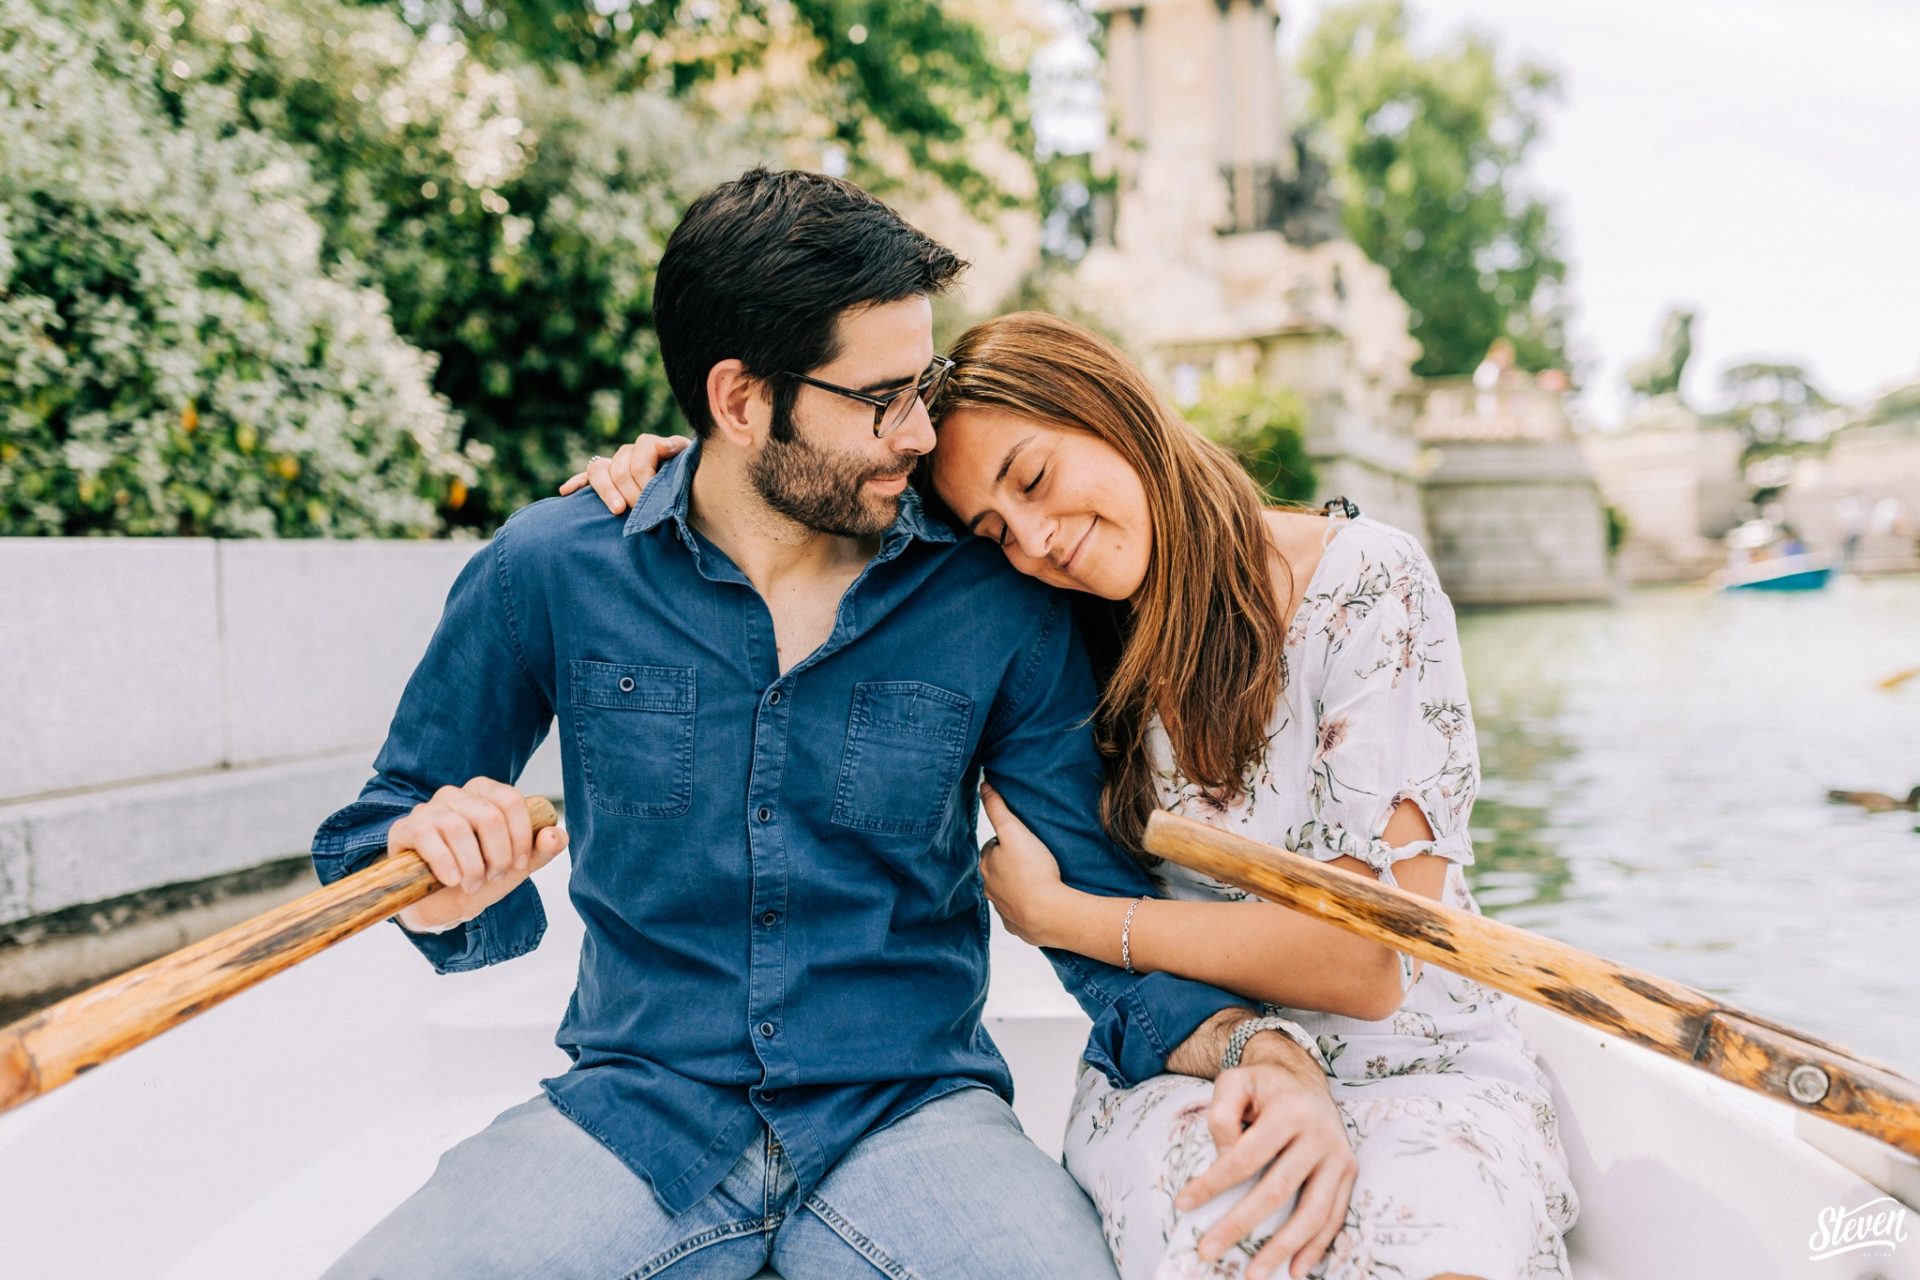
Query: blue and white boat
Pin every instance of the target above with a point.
(1761, 556)
(1805, 572)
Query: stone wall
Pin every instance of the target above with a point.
(1514, 514)
(1516, 523)
(1868, 483)
(1678, 485)
(178, 709)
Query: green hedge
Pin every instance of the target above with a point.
(176, 354)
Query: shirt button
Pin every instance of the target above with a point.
(769, 1095)
(770, 919)
(765, 814)
(773, 699)
(766, 1028)
(626, 684)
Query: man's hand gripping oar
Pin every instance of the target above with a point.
(447, 861)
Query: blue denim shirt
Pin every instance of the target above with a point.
(778, 872)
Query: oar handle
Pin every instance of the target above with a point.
(44, 1050)
(1669, 1018)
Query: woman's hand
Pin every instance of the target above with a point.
(619, 479)
(1022, 879)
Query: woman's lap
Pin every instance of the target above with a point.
(1450, 1179)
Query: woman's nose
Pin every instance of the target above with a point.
(1033, 535)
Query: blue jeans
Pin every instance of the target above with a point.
(953, 1189)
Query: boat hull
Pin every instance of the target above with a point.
(264, 1137)
(1793, 573)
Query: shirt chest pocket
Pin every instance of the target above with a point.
(634, 729)
(906, 741)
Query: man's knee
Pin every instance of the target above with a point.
(527, 1187)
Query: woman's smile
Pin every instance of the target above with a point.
(1062, 502)
(1073, 557)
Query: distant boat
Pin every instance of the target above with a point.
(1763, 556)
(1806, 572)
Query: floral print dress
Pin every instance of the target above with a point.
(1453, 1126)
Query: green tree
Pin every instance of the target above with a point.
(1266, 428)
(513, 205)
(514, 216)
(498, 202)
(177, 356)
(1902, 404)
(1426, 149)
(922, 76)
(1776, 406)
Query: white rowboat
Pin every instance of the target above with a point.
(266, 1135)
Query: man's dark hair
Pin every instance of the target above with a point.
(760, 269)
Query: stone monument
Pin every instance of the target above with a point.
(1222, 260)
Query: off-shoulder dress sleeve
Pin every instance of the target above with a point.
(1392, 718)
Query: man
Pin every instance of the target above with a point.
(777, 683)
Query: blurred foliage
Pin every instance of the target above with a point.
(1075, 198)
(1426, 149)
(1618, 527)
(1660, 372)
(1266, 427)
(513, 217)
(1902, 404)
(922, 76)
(360, 218)
(178, 354)
(1775, 406)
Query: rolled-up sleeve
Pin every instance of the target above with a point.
(1039, 754)
(472, 708)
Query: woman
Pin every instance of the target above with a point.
(1292, 676)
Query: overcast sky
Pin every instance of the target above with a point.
(1756, 159)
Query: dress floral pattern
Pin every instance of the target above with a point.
(1453, 1125)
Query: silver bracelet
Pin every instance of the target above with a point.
(1126, 936)
(1251, 1027)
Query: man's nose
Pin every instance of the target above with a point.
(915, 436)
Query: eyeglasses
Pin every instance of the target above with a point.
(891, 410)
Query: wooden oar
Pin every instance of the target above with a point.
(1666, 1017)
(44, 1050)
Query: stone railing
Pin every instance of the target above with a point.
(173, 710)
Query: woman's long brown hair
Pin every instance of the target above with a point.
(1202, 641)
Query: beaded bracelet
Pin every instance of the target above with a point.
(1126, 936)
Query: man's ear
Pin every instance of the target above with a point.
(739, 403)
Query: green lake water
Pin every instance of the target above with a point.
(1655, 781)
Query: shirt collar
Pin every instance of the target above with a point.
(913, 520)
(669, 493)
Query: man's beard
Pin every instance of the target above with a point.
(823, 491)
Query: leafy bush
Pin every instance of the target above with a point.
(1266, 426)
(265, 263)
(177, 355)
(513, 216)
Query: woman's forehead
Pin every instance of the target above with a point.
(972, 444)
